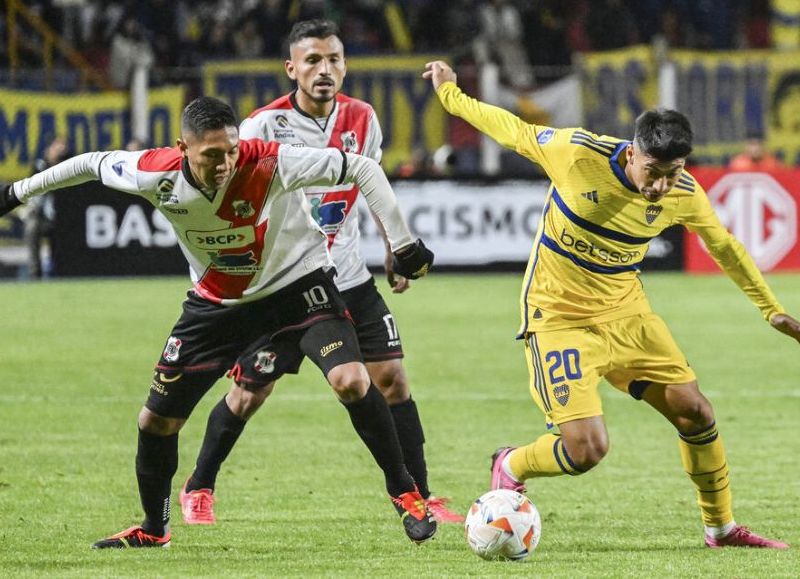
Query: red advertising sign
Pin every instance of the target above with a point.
(760, 209)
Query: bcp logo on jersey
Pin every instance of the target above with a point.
(759, 212)
(222, 238)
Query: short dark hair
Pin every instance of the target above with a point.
(207, 114)
(316, 28)
(663, 134)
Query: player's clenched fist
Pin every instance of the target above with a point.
(413, 261)
(439, 72)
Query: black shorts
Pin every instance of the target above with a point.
(257, 342)
(378, 336)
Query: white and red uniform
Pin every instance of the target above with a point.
(351, 127)
(254, 235)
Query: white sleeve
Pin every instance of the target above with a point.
(300, 166)
(116, 170)
(251, 128)
(374, 140)
(375, 187)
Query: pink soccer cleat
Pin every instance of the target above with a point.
(744, 537)
(500, 480)
(438, 508)
(197, 506)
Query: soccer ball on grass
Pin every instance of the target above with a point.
(503, 524)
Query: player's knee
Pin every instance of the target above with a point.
(244, 403)
(695, 415)
(391, 380)
(349, 381)
(585, 452)
(159, 425)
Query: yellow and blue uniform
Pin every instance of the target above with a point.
(584, 312)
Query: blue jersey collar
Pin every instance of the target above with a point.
(619, 172)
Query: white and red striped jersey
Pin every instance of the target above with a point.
(352, 127)
(254, 235)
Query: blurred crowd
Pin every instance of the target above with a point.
(535, 38)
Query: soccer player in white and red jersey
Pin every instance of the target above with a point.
(318, 115)
(263, 297)
(585, 314)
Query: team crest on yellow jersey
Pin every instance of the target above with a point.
(562, 394)
(652, 212)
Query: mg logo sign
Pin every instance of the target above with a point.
(759, 212)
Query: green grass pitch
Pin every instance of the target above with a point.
(300, 495)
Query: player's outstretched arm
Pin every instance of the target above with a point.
(786, 324)
(79, 169)
(411, 258)
(504, 127)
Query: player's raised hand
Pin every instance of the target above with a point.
(8, 201)
(786, 324)
(439, 72)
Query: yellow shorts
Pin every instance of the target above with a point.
(565, 366)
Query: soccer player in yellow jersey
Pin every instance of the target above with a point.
(584, 312)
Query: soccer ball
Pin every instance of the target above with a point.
(503, 524)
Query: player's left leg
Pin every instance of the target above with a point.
(704, 460)
(651, 367)
(332, 345)
(226, 423)
(381, 346)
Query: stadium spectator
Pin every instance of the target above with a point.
(500, 41)
(38, 215)
(262, 300)
(129, 50)
(755, 156)
(320, 116)
(585, 315)
(610, 25)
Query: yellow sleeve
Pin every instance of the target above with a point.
(731, 256)
(510, 131)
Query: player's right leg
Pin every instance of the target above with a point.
(565, 368)
(225, 424)
(196, 354)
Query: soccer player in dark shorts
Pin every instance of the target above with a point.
(262, 296)
(318, 115)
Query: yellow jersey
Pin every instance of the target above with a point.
(596, 226)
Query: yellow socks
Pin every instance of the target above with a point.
(703, 457)
(545, 457)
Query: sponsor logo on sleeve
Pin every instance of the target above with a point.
(118, 167)
(545, 136)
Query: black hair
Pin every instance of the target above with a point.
(788, 83)
(317, 28)
(663, 134)
(207, 114)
